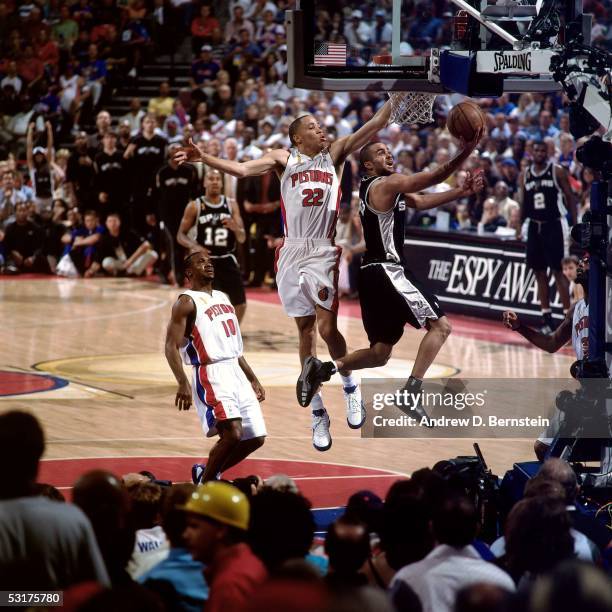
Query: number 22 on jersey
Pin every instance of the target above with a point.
(312, 197)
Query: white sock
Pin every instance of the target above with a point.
(317, 402)
(348, 381)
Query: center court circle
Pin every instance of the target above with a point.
(274, 369)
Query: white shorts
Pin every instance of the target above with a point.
(221, 391)
(307, 275)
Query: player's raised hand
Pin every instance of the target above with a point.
(190, 153)
(474, 182)
(183, 396)
(259, 390)
(511, 320)
(471, 144)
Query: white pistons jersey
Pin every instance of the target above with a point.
(580, 329)
(215, 335)
(310, 196)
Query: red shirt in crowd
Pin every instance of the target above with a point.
(30, 68)
(233, 578)
(203, 28)
(48, 53)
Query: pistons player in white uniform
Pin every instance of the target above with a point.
(203, 332)
(575, 326)
(307, 261)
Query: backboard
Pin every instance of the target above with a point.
(475, 47)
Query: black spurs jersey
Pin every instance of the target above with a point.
(383, 232)
(542, 197)
(212, 234)
(42, 181)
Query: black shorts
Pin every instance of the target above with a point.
(229, 279)
(546, 244)
(390, 297)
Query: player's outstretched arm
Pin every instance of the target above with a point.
(248, 372)
(402, 183)
(343, 147)
(473, 184)
(182, 309)
(550, 343)
(273, 160)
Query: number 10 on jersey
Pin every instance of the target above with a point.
(230, 327)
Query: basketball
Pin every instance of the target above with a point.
(464, 120)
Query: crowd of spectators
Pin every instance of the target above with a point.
(140, 543)
(66, 163)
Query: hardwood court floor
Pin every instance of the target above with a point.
(106, 337)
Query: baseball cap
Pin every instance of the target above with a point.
(268, 120)
(509, 162)
(40, 150)
(283, 48)
(380, 13)
(356, 14)
(221, 502)
(206, 48)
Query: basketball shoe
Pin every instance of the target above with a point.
(197, 471)
(355, 408)
(321, 438)
(314, 373)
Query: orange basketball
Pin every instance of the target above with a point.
(464, 120)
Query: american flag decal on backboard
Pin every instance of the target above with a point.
(329, 54)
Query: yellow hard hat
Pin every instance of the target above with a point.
(222, 502)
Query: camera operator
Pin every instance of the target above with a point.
(575, 326)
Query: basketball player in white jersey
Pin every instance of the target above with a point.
(575, 326)
(204, 331)
(307, 261)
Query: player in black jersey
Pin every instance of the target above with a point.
(543, 187)
(219, 225)
(390, 297)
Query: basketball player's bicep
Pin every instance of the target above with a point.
(181, 311)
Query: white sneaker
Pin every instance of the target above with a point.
(355, 408)
(321, 438)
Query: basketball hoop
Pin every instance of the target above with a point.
(408, 107)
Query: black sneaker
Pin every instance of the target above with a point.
(414, 410)
(314, 373)
(548, 325)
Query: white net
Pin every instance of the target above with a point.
(408, 107)
(412, 107)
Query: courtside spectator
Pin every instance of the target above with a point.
(347, 546)
(178, 579)
(122, 253)
(106, 503)
(538, 537)
(217, 524)
(454, 563)
(281, 526)
(23, 242)
(44, 544)
(151, 545)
